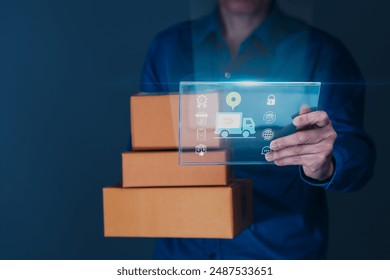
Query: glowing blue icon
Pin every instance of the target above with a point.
(271, 100)
(201, 118)
(200, 150)
(233, 99)
(267, 134)
(233, 123)
(269, 117)
(201, 101)
(201, 134)
(265, 149)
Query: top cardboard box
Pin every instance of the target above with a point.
(154, 122)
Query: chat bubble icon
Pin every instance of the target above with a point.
(233, 99)
(265, 149)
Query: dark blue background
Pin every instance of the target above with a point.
(67, 69)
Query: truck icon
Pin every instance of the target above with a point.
(227, 123)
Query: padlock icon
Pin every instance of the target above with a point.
(271, 100)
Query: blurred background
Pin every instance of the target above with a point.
(67, 69)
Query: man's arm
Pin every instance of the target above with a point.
(330, 145)
(150, 77)
(311, 146)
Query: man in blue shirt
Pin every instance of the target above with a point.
(254, 40)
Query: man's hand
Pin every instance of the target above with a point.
(311, 146)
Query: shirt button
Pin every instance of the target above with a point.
(228, 75)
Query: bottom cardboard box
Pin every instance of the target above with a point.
(199, 212)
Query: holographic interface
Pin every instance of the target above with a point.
(240, 118)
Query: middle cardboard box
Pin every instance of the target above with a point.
(162, 169)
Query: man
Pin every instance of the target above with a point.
(254, 40)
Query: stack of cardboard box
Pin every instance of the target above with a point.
(159, 197)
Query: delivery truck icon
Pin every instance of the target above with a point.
(227, 123)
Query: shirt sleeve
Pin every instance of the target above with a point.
(152, 79)
(149, 78)
(342, 97)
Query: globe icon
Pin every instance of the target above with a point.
(267, 134)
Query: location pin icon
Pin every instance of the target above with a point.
(233, 99)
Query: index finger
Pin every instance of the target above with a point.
(298, 138)
(318, 118)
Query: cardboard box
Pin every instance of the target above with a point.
(154, 121)
(161, 168)
(201, 212)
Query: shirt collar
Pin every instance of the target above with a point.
(270, 31)
(206, 26)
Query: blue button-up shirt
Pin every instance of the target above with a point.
(290, 210)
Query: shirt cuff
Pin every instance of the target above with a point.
(323, 184)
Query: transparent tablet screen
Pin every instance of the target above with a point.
(238, 118)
